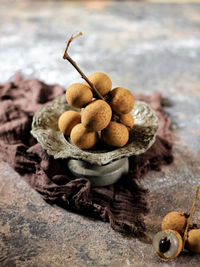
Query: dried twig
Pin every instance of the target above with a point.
(67, 57)
(190, 215)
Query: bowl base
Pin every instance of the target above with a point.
(99, 175)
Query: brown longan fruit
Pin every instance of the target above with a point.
(68, 120)
(78, 95)
(193, 240)
(101, 81)
(127, 119)
(83, 138)
(115, 134)
(96, 115)
(121, 100)
(174, 221)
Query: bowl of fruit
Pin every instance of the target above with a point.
(96, 128)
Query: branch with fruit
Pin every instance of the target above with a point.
(102, 110)
(178, 233)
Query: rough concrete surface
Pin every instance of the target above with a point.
(143, 47)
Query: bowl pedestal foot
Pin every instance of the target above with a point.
(99, 175)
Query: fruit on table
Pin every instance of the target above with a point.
(167, 244)
(78, 95)
(82, 137)
(174, 221)
(96, 115)
(68, 120)
(115, 134)
(193, 240)
(101, 81)
(121, 101)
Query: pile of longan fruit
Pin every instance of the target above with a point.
(177, 234)
(97, 120)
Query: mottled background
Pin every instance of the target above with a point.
(144, 47)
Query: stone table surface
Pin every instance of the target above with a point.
(144, 47)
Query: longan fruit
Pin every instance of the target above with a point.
(168, 244)
(82, 138)
(174, 221)
(96, 115)
(193, 240)
(121, 101)
(68, 120)
(78, 95)
(101, 81)
(115, 134)
(127, 119)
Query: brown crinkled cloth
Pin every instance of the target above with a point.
(123, 204)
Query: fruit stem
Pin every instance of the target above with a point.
(190, 215)
(66, 56)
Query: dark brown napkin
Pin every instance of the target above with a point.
(123, 204)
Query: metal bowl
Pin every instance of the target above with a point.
(45, 130)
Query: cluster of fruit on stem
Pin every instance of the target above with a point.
(177, 234)
(102, 110)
